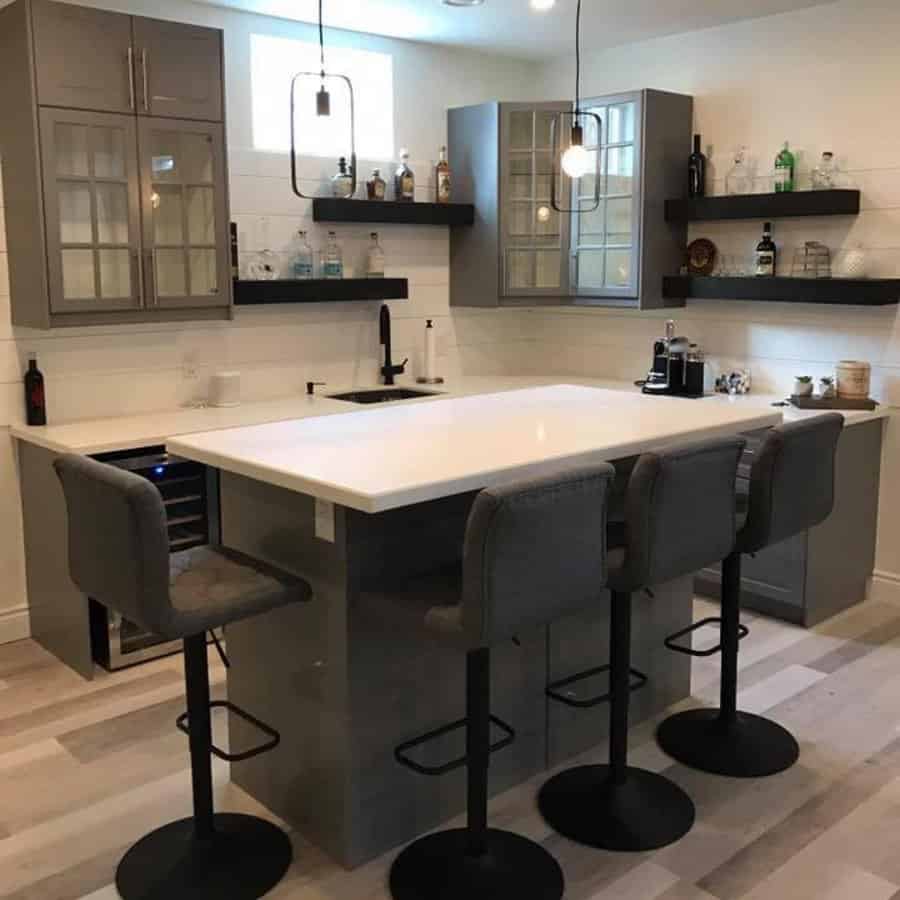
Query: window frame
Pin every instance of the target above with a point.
(612, 296)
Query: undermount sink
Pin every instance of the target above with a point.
(382, 395)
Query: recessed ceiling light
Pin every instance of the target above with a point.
(542, 5)
(463, 2)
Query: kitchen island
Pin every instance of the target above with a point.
(354, 501)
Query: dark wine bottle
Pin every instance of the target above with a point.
(235, 263)
(35, 397)
(697, 171)
(766, 254)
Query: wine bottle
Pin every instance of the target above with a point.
(35, 396)
(766, 254)
(235, 264)
(697, 171)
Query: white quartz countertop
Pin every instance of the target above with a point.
(127, 432)
(405, 453)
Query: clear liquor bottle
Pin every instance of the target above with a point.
(342, 182)
(302, 265)
(375, 258)
(334, 258)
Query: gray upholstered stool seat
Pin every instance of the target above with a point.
(791, 489)
(119, 556)
(534, 551)
(213, 586)
(679, 514)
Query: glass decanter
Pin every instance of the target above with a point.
(739, 179)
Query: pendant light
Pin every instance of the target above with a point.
(323, 109)
(576, 161)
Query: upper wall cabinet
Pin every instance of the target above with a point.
(179, 70)
(83, 57)
(110, 62)
(113, 214)
(522, 251)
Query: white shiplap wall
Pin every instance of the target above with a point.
(106, 371)
(826, 79)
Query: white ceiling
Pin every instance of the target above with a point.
(510, 27)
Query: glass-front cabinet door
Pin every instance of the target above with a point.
(606, 241)
(92, 211)
(185, 230)
(533, 234)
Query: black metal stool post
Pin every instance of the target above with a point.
(791, 490)
(119, 555)
(617, 806)
(533, 552)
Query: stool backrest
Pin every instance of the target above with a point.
(791, 481)
(118, 540)
(534, 552)
(680, 509)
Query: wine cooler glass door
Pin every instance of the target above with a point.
(92, 211)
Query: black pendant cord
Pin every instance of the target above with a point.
(578, 59)
(322, 40)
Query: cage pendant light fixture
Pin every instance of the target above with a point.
(576, 161)
(323, 109)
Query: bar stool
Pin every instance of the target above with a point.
(119, 555)
(534, 551)
(678, 517)
(791, 490)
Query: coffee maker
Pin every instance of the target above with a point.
(677, 369)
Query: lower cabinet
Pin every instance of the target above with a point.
(808, 578)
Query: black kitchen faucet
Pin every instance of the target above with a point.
(388, 370)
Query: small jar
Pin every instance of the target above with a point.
(376, 186)
(853, 379)
(825, 174)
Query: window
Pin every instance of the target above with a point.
(274, 61)
(605, 241)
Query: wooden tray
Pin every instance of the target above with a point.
(836, 403)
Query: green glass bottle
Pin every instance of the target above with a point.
(784, 170)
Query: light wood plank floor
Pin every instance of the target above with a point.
(87, 768)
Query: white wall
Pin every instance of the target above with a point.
(106, 371)
(826, 79)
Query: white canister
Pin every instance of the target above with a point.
(225, 389)
(854, 379)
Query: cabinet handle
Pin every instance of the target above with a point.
(131, 100)
(154, 293)
(146, 95)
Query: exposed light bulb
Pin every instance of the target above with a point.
(542, 5)
(543, 214)
(323, 102)
(576, 161)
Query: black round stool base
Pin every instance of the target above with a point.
(750, 747)
(645, 812)
(246, 858)
(437, 867)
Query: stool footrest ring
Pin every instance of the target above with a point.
(671, 640)
(638, 680)
(274, 737)
(400, 753)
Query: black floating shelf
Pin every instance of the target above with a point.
(846, 291)
(392, 212)
(764, 206)
(319, 290)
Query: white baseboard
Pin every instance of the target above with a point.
(14, 624)
(884, 587)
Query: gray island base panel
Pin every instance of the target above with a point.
(815, 575)
(345, 683)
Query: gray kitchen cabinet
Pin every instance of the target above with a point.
(92, 210)
(185, 220)
(112, 215)
(521, 251)
(812, 576)
(83, 57)
(178, 70)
